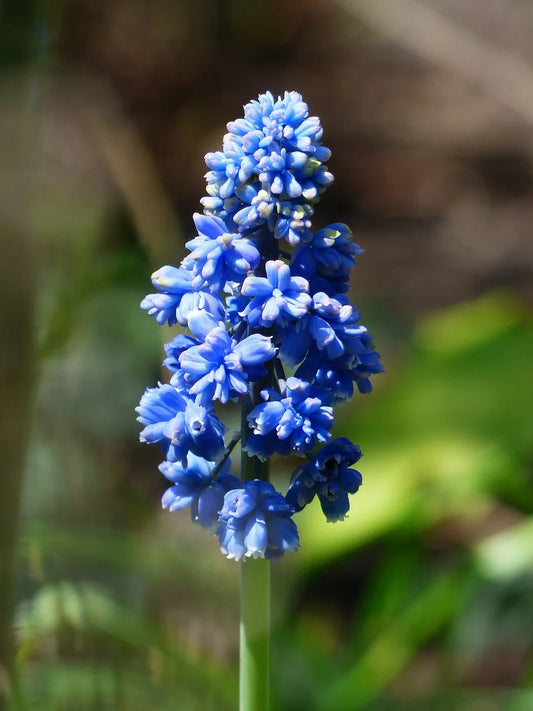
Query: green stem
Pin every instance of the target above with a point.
(254, 680)
(254, 691)
(254, 663)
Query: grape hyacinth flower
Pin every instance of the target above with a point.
(218, 256)
(276, 298)
(199, 486)
(291, 421)
(180, 424)
(329, 476)
(255, 521)
(264, 301)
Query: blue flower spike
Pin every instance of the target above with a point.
(258, 295)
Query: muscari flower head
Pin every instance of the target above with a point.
(246, 303)
(255, 522)
(328, 475)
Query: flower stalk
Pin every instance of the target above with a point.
(254, 627)
(254, 658)
(256, 311)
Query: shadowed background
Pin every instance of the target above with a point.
(422, 598)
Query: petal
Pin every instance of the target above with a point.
(209, 225)
(283, 534)
(255, 349)
(256, 286)
(265, 417)
(174, 500)
(256, 537)
(284, 277)
(210, 502)
(270, 311)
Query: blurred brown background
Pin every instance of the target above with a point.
(422, 599)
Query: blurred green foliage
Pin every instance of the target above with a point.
(417, 601)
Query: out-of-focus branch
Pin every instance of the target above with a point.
(134, 172)
(428, 33)
(21, 30)
(18, 279)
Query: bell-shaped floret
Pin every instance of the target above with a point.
(218, 256)
(199, 487)
(293, 420)
(175, 348)
(220, 368)
(255, 522)
(178, 297)
(278, 297)
(328, 475)
(180, 424)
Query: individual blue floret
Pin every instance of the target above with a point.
(278, 297)
(180, 424)
(328, 476)
(338, 376)
(332, 249)
(218, 256)
(198, 487)
(178, 297)
(330, 325)
(255, 522)
(292, 420)
(221, 368)
(175, 348)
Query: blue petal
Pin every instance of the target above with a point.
(265, 417)
(255, 349)
(209, 225)
(210, 502)
(256, 537)
(174, 500)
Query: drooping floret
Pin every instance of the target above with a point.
(292, 420)
(328, 475)
(180, 424)
(178, 297)
(255, 522)
(199, 486)
(220, 367)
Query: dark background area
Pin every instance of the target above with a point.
(421, 599)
